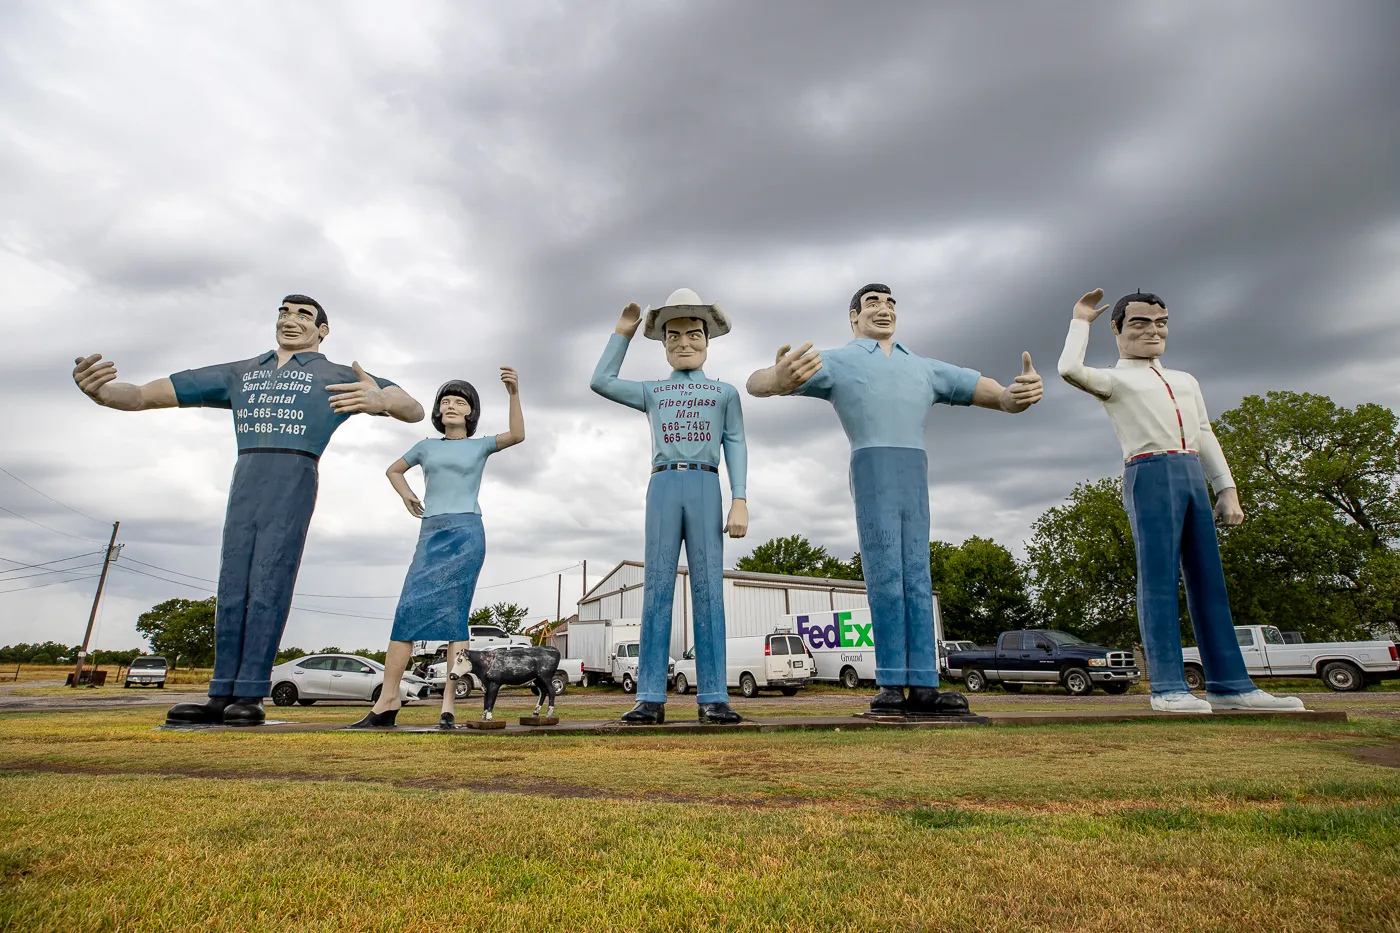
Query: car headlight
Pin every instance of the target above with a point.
(1098, 662)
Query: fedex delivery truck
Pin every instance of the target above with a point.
(842, 643)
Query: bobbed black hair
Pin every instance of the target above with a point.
(462, 389)
(873, 287)
(308, 300)
(1120, 310)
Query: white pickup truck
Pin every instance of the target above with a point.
(1342, 665)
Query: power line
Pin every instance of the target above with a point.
(40, 586)
(168, 570)
(327, 612)
(46, 573)
(23, 566)
(51, 498)
(48, 528)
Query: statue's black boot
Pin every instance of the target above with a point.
(932, 702)
(721, 713)
(645, 713)
(244, 711)
(446, 721)
(210, 711)
(375, 720)
(888, 700)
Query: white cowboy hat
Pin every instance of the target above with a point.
(685, 303)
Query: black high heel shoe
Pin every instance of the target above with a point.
(375, 720)
(446, 721)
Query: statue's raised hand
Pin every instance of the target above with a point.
(792, 370)
(629, 320)
(1084, 309)
(362, 395)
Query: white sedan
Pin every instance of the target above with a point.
(336, 677)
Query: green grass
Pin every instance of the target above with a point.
(108, 824)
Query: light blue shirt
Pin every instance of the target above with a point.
(451, 471)
(883, 401)
(691, 416)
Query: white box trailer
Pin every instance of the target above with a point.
(843, 643)
(595, 643)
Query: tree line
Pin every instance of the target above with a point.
(1317, 554)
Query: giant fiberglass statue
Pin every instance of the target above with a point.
(436, 601)
(286, 404)
(692, 419)
(882, 393)
(1170, 453)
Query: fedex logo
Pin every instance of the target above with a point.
(841, 632)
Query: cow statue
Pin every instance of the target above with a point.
(511, 666)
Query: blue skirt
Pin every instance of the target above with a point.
(437, 593)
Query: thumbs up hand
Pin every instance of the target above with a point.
(362, 395)
(1025, 391)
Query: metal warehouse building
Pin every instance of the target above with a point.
(753, 602)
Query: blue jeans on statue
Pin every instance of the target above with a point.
(683, 505)
(1174, 535)
(269, 509)
(890, 486)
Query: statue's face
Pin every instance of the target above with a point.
(686, 343)
(454, 410)
(874, 318)
(1144, 332)
(297, 330)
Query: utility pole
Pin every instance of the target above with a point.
(96, 598)
(559, 599)
(585, 579)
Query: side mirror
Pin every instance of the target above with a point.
(365, 670)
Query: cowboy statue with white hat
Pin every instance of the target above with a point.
(692, 419)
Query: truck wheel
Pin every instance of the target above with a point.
(560, 683)
(628, 684)
(1077, 682)
(461, 689)
(849, 678)
(1115, 688)
(789, 691)
(1195, 678)
(284, 694)
(1012, 688)
(974, 680)
(682, 685)
(1342, 676)
(748, 686)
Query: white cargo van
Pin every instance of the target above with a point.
(842, 643)
(779, 661)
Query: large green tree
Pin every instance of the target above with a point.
(981, 589)
(182, 630)
(796, 556)
(1320, 486)
(507, 616)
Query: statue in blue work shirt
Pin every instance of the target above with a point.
(882, 394)
(692, 417)
(286, 403)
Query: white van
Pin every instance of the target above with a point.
(842, 643)
(779, 661)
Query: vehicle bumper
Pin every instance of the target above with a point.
(1110, 676)
(788, 682)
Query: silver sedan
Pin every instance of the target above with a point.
(337, 677)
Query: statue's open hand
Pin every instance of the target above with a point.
(1227, 507)
(414, 505)
(738, 524)
(1084, 309)
(628, 321)
(793, 370)
(362, 395)
(1026, 390)
(91, 373)
(511, 379)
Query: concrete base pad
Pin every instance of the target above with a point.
(539, 720)
(900, 719)
(811, 723)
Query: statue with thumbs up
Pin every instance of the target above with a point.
(286, 404)
(882, 393)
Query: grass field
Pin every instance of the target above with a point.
(107, 824)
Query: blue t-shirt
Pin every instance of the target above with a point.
(883, 401)
(287, 408)
(451, 472)
(692, 417)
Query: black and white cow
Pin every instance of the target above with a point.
(510, 666)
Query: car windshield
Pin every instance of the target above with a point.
(1063, 638)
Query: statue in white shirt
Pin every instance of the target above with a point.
(1170, 453)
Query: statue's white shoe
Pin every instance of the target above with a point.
(1179, 703)
(1254, 699)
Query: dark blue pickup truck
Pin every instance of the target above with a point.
(1045, 656)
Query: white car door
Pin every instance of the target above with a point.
(778, 658)
(1253, 653)
(312, 677)
(797, 666)
(352, 679)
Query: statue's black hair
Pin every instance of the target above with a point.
(1120, 310)
(873, 287)
(308, 300)
(462, 389)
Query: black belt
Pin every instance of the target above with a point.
(685, 466)
(279, 450)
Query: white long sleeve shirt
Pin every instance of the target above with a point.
(1153, 409)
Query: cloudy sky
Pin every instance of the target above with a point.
(465, 185)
